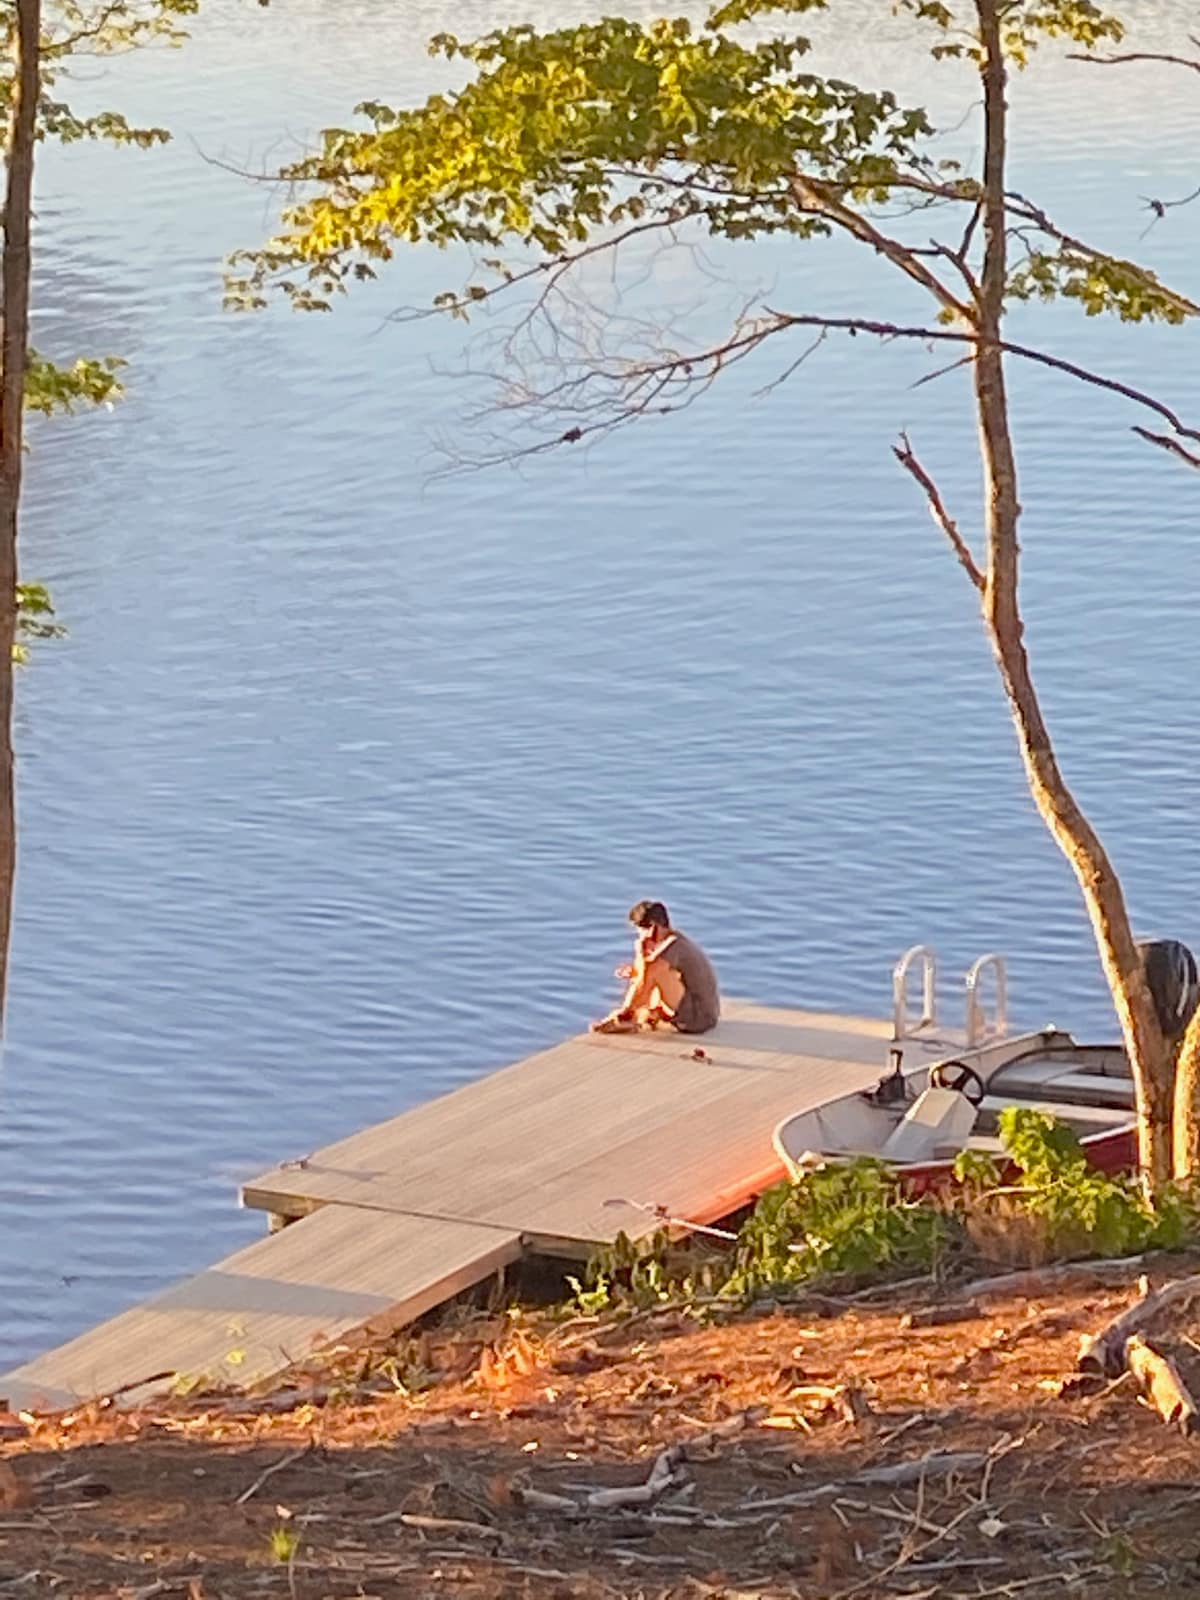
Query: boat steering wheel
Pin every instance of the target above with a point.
(959, 1076)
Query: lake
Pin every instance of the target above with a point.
(338, 791)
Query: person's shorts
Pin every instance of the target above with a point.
(687, 1018)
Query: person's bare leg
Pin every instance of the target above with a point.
(653, 998)
(665, 997)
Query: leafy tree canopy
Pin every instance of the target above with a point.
(72, 31)
(568, 141)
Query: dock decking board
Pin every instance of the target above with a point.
(541, 1146)
(399, 1217)
(268, 1304)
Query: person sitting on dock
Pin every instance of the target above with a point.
(671, 983)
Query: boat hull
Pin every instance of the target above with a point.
(1112, 1151)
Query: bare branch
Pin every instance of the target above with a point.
(1136, 55)
(903, 453)
(891, 330)
(813, 195)
(792, 366)
(596, 394)
(1167, 443)
(1161, 207)
(942, 372)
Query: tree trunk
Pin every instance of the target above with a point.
(14, 344)
(1151, 1056)
(1187, 1101)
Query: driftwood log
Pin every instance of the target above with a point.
(668, 1469)
(1162, 1384)
(1121, 1349)
(667, 1472)
(1104, 1352)
(1040, 1280)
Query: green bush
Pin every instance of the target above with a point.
(1087, 1212)
(848, 1220)
(852, 1222)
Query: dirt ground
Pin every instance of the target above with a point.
(475, 1478)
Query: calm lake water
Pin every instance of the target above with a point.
(338, 791)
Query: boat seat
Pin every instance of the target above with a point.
(1085, 1119)
(936, 1124)
(987, 1144)
(1086, 1087)
(1031, 1074)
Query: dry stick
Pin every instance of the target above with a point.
(903, 453)
(416, 1519)
(880, 1291)
(1104, 1352)
(908, 1518)
(1135, 55)
(239, 1406)
(535, 1500)
(1163, 1383)
(665, 1473)
(1040, 1578)
(269, 1472)
(1164, 441)
(935, 1465)
(940, 1316)
(1031, 1280)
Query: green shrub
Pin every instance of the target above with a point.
(848, 1220)
(1087, 1212)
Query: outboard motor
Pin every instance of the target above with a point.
(1174, 982)
(891, 1090)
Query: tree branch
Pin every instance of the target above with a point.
(889, 330)
(1021, 206)
(903, 453)
(609, 394)
(814, 196)
(1137, 55)
(1166, 443)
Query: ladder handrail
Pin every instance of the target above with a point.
(928, 957)
(978, 1025)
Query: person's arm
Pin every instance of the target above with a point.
(638, 992)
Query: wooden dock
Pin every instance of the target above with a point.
(552, 1156)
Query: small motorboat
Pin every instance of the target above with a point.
(920, 1119)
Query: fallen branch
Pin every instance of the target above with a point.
(281, 1401)
(1033, 1280)
(1104, 1352)
(269, 1472)
(1162, 1383)
(939, 1316)
(936, 1465)
(539, 1500)
(427, 1524)
(666, 1473)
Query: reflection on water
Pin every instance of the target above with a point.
(338, 791)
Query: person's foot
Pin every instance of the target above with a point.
(614, 1025)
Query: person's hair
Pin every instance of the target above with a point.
(650, 914)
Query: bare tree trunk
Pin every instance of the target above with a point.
(1187, 1101)
(14, 343)
(1151, 1056)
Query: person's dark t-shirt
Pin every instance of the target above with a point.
(700, 1008)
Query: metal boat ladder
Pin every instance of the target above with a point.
(981, 1024)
